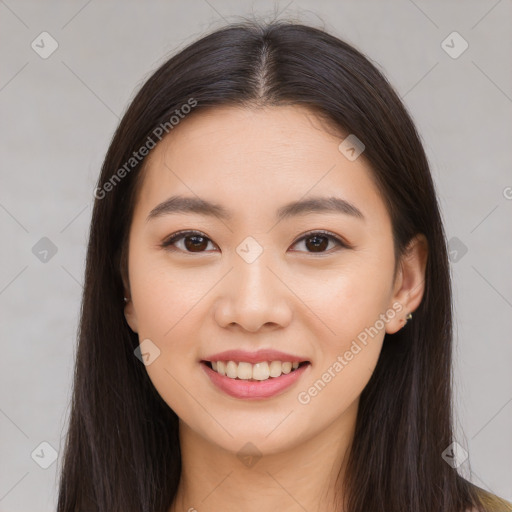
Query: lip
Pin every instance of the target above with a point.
(255, 357)
(254, 390)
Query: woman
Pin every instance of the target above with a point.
(266, 320)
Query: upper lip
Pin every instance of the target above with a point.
(254, 357)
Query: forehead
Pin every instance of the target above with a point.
(252, 157)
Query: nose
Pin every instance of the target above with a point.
(253, 296)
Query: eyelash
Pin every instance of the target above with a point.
(167, 244)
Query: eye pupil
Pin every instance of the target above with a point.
(194, 246)
(318, 245)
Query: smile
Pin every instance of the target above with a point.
(260, 371)
(254, 381)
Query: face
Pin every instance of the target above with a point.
(315, 284)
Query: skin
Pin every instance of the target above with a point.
(291, 298)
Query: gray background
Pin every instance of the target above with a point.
(58, 115)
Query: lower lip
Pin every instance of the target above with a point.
(255, 390)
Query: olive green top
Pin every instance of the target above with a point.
(493, 503)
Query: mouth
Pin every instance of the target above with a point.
(262, 371)
(264, 380)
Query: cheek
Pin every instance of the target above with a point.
(355, 307)
(167, 305)
(347, 301)
(346, 359)
(335, 387)
(168, 312)
(164, 296)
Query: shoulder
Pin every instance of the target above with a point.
(490, 502)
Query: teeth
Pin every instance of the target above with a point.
(258, 371)
(286, 367)
(231, 370)
(261, 371)
(244, 370)
(275, 368)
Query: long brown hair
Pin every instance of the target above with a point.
(122, 450)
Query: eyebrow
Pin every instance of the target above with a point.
(183, 204)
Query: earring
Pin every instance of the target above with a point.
(126, 299)
(408, 317)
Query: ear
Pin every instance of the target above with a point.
(130, 315)
(409, 285)
(129, 309)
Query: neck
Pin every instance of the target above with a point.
(305, 477)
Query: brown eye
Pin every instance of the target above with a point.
(197, 242)
(318, 241)
(193, 241)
